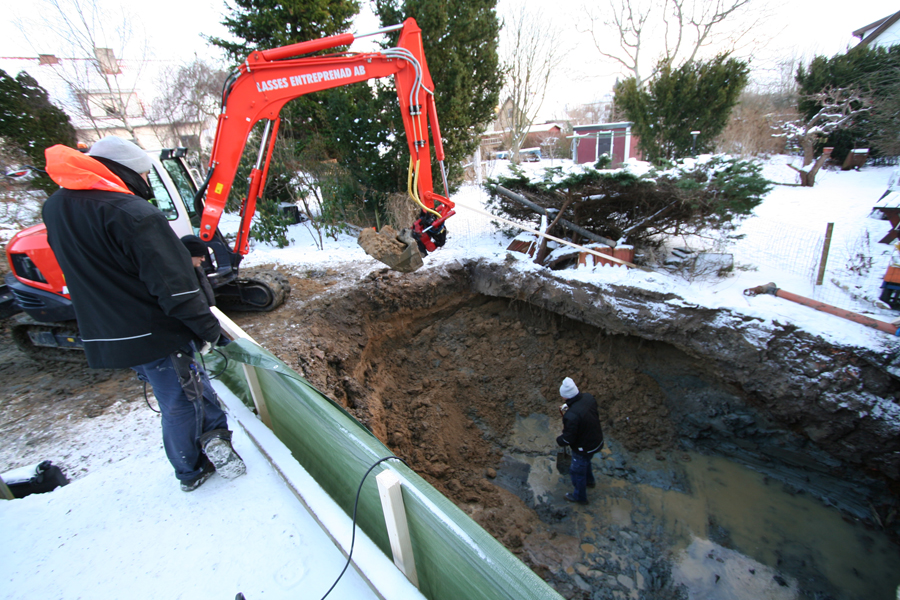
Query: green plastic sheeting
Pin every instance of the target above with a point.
(455, 558)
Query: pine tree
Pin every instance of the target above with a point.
(697, 96)
(264, 24)
(30, 122)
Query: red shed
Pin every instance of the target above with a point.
(615, 139)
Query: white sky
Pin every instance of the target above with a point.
(173, 27)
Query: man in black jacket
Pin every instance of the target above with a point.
(136, 297)
(583, 434)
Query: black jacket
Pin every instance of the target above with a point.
(581, 425)
(135, 292)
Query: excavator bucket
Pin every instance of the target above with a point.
(398, 251)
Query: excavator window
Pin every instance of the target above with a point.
(185, 184)
(161, 198)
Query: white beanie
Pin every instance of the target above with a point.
(568, 389)
(125, 153)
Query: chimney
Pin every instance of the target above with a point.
(109, 65)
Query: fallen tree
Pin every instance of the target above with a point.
(704, 198)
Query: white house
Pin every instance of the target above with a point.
(103, 95)
(883, 33)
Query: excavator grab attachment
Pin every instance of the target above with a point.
(399, 251)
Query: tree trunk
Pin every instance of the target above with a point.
(808, 178)
(808, 145)
(542, 252)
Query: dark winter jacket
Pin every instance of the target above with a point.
(581, 425)
(134, 289)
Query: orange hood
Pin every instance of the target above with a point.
(76, 171)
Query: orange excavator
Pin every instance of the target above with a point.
(256, 91)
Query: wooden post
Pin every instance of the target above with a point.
(259, 400)
(390, 490)
(825, 247)
(5, 492)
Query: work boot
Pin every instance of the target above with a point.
(217, 447)
(572, 498)
(192, 484)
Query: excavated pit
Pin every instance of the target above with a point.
(738, 459)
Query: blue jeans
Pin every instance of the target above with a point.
(582, 473)
(188, 411)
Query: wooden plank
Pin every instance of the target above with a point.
(5, 492)
(233, 331)
(259, 400)
(231, 328)
(390, 490)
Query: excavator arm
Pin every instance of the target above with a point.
(268, 79)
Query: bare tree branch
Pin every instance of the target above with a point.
(532, 51)
(673, 31)
(93, 45)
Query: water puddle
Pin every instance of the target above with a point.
(730, 532)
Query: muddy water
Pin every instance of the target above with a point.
(729, 532)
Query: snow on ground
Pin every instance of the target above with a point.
(124, 530)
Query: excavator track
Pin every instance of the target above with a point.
(59, 342)
(259, 291)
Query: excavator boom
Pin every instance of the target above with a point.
(268, 79)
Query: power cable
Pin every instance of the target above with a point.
(147, 399)
(203, 362)
(355, 505)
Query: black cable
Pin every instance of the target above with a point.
(225, 366)
(147, 400)
(355, 505)
(222, 354)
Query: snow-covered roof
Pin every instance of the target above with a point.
(602, 126)
(544, 127)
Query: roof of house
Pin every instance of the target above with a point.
(602, 126)
(871, 31)
(543, 127)
(540, 128)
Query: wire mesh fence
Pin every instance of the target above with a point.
(853, 266)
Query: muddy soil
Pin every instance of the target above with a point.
(457, 370)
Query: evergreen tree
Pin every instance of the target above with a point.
(264, 24)
(697, 96)
(30, 122)
(875, 74)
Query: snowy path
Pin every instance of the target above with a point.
(125, 530)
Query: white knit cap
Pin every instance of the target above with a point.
(123, 152)
(568, 389)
